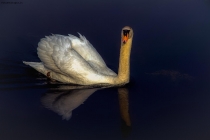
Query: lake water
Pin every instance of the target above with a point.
(167, 97)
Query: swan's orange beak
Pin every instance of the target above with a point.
(125, 38)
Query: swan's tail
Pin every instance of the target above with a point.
(37, 66)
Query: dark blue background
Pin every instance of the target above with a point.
(170, 64)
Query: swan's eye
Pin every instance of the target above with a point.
(125, 35)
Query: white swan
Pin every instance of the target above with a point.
(69, 59)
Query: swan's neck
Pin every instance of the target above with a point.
(124, 62)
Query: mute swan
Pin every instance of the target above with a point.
(69, 59)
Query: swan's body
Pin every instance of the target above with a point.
(69, 59)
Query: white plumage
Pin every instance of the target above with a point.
(70, 59)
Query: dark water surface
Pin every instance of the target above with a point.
(167, 99)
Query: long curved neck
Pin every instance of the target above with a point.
(124, 62)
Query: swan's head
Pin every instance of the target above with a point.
(127, 33)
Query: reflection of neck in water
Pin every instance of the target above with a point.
(124, 110)
(64, 102)
(124, 105)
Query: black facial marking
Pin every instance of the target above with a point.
(126, 32)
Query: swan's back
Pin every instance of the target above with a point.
(72, 57)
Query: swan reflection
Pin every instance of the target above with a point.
(63, 102)
(124, 111)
